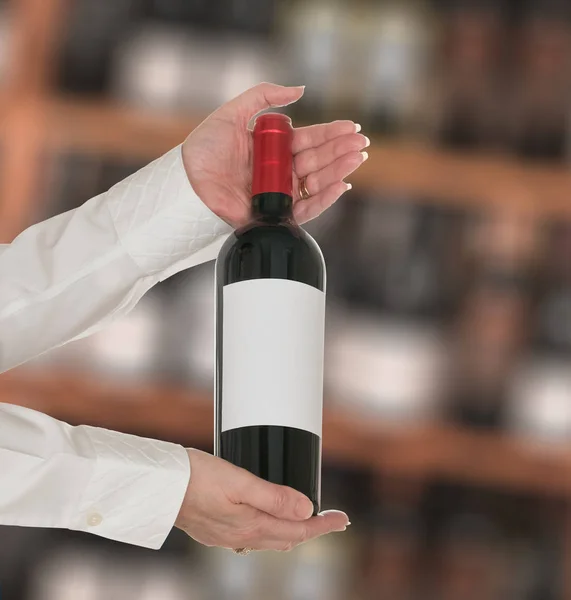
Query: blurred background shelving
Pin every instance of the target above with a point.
(448, 367)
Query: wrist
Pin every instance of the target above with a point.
(207, 188)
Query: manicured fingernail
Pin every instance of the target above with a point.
(367, 142)
(348, 523)
(304, 509)
(348, 187)
(365, 155)
(357, 127)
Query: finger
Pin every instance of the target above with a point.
(259, 98)
(276, 500)
(336, 171)
(306, 210)
(315, 135)
(315, 159)
(281, 535)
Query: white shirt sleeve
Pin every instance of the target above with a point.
(66, 278)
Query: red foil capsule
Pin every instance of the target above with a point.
(272, 169)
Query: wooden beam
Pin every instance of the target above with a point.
(185, 415)
(114, 130)
(478, 182)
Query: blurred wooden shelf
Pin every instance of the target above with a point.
(114, 130)
(461, 180)
(186, 416)
(457, 179)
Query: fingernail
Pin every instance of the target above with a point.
(357, 127)
(348, 187)
(365, 155)
(304, 509)
(367, 142)
(348, 523)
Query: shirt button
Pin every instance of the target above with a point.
(94, 519)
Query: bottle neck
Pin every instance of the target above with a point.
(272, 167)
(272, 207)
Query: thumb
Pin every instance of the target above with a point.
(259, 98)
(278, 500)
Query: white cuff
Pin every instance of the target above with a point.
(159, 218)
(136, 488)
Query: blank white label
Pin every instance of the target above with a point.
(272, 358)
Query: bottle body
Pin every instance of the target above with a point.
(270, 287)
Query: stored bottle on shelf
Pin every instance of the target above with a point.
(466, 114)
(189, 13)
(540, 400)
(387, 354)
(171, 67)
(540, 101)
(351, 37)
(252, 17)
(470, 560)
(95, 29)
(398, 63)
(312, 42)
(492, 324)
(533, 544)
(270, 278)
(540, 392)
(393, 545)
(553, 332)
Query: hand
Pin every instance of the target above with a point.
(229, 507)
(218, 156)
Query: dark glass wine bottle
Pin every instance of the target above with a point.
(270, 280)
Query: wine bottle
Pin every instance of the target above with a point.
(470, 562)
(468, 114)
(270, 280)
(540, 392)
(538, 116)
(311, 41)
(492, 324)
(392, 546)
(89, 44)
(398, 63)
(388, 357)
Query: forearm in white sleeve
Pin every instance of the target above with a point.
(64, 279)
(67, 277)
(111, 484)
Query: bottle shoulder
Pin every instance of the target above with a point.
(287, 235)
(282, 251)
